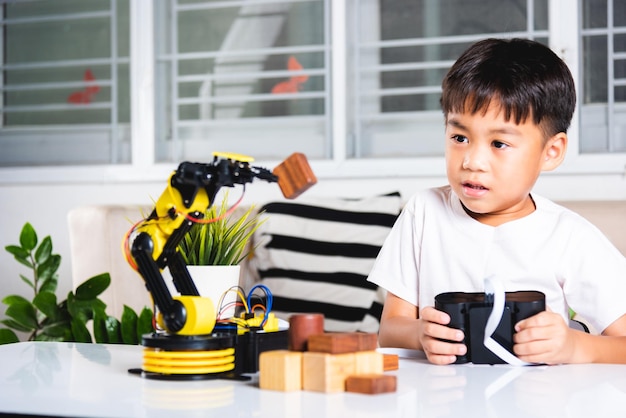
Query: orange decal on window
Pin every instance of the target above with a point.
(294, 84)
(84, 96)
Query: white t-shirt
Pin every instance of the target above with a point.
(436, 247)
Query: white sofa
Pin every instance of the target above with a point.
(96, 234)
(337, 241)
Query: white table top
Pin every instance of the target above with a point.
(90, 380)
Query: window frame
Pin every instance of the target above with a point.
(564, 39)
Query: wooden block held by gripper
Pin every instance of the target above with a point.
(294, 175)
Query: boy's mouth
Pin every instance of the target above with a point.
(474, 190)
(474, 186)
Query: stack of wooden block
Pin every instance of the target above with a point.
(333, 362)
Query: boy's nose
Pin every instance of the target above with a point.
(475, 159)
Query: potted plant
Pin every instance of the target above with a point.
(221, 240)
(44, 318)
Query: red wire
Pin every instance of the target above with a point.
(126, 246)
(224, 308)
(126, 250)
(228, 212)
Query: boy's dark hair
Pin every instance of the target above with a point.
(525, 77)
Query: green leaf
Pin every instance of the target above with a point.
(100, 329)
(93, 287)
(114, 331)
(27, 281)
(129, 326)
(49, 285)
(44, 250)
(83, 309)
(18, 252)
(11, 299)
(46, 302)
(7, 336)
(80, 331)
(74, 308)
(47, 269)
(26, 262)
(15, 325)
(46, 337)
(99, 307)
(96, 305)
(144, 323)
(28, 237)
(59, 329)
(23, 313)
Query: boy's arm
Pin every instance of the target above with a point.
(614, 343)
(401, 327)
(546, 338)
(398, 324)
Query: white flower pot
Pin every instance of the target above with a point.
(213, 282)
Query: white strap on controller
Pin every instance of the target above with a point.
(496, 288)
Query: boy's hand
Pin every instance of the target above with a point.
(433, 329)
(544, 338)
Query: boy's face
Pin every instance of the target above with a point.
(492, 164)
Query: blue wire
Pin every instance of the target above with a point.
(268, 302)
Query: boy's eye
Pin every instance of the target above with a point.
(499, 145)
(460, 138)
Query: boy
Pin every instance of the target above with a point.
(507, 106)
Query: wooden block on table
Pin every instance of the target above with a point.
(294, 175)
(280, 370)
(334, 343)
(368, 362)
(323, 372)
(390, 362)
(371, 383)
(301, 327)
(367, 341)
(342, 342)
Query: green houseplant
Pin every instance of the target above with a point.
(45, 319)
(220, 239)
(213, 250)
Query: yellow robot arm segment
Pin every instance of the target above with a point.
(200, 318)
(233, 156)
(169, 214)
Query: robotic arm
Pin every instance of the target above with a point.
(191, 190)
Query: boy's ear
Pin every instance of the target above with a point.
(554, 151)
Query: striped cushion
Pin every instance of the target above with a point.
(315, 256)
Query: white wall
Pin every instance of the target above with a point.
(46, 207)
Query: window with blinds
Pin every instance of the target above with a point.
(341, 81)
(603, 103)
(252, 76)
(65, 74)
(404, 49)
